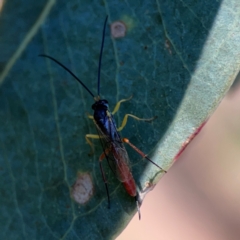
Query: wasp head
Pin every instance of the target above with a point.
(100, 105)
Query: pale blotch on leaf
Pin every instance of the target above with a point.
(82, 189)
(118, 29)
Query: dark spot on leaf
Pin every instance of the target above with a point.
(74, 7)
(159, 19)
(148, 29)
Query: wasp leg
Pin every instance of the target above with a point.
(102, 156)
(124, 121)
(93, 136)
(116, 108)
(141, 153)
(89, 116)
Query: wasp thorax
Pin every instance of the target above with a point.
(100, 105)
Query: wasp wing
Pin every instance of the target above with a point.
(114, 150)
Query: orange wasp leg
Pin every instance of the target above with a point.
(102, 156)
(125, 140)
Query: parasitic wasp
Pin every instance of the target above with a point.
(108, 133)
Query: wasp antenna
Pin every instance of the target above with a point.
(100, 56)
(56, 61)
